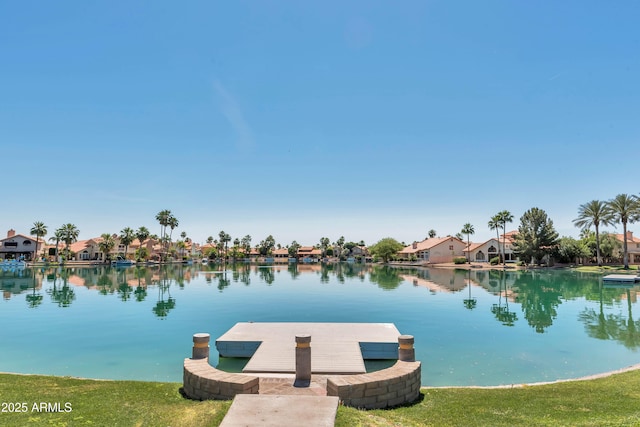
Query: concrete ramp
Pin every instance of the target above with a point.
(281, 411)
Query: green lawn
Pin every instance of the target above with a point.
(611, 401)
(607, 269)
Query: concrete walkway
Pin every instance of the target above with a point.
(284, 385)
(281, 411)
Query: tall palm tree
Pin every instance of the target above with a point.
(172, 223)
(225, 238)
(625, 209)
(127, 235)
(181, 245)
(594, 213)
(142, 234)
(163, 219)
(106, 245)
(57, 237)
(69, 234)
(505, 217)
(246, 245)
(38, 230)
(494, 224)
(468, 230)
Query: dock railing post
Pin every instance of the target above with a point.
(406, 352)
(200, 346)
(303, 360)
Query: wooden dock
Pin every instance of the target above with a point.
(336, 348)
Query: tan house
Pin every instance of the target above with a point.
(309, 254)
(633, 246)
(85, 250)
(281, 255)
(360, 251)
(483, 252)
(436, 250)
(19, 246)
(89, 249)
(509, 238)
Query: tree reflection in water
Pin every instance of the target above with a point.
(166, 302)
(500, 311)
(387, 278)
(65, 295)
(35, 298)
(538, 293)
(470, 303)
(612, 326)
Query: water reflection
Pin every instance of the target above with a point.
(470, 302)
(35, 298)
(537, 295)
(501, 309)
(62, 295)
(613, 326)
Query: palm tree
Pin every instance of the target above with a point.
(494, 224)
(432, 233)
(106, 245)
(142, 234)
(324, 244)
(225, 238)
(594, 213)
(57, 237)
(181, 245)
(625, 209)
(245, 242)
(163, 219)
(505, 217)
(172, 223)
(38, 230)
(69, 234)
(468, 229)
(127, 235)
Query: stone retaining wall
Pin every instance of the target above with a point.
(202, 381)
(389, 387)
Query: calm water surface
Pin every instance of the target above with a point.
(470, 328)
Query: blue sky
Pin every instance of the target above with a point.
(364, 119)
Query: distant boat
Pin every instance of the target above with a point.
(205, 261)
(121, 262)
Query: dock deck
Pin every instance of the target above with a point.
(336, 348)
(621, 278)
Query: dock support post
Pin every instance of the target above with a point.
(406, 352)
(200, 346)
(303, 361)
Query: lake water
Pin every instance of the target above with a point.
(470, 328)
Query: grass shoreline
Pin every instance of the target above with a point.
(611, 398)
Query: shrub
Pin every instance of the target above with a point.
(495, 260)
(459, 260)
